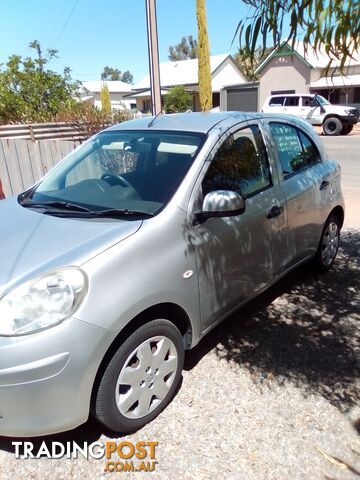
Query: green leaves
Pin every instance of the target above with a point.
(31, 93)
(248, 62)
(331, 25)
(185, 50)
(115, 74)
(177, 100)
(105, 99)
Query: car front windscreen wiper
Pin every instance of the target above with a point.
(57, 204)
(63, 208)
(109, 213)
(121, 212)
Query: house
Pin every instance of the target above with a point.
(288, 70)
(224, 71)
(120, 94)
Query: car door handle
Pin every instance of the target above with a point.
(324, 184)
(275, 211)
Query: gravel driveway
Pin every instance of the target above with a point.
(269, 394)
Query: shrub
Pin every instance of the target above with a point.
(178, 100)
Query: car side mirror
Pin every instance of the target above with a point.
(220, 203)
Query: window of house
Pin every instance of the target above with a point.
(296, 151)
(240, 164)
(357, 94)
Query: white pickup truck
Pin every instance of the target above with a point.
(335, 119)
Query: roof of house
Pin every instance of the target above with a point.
(336, 81)
(321, 59)
(145, 93)
(184, 72)
(308, 55)
(114, 86)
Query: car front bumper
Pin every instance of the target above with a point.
(350, 119)
(46, 378)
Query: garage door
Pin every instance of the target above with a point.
(242, 99)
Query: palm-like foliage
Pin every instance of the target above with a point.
(331, 26)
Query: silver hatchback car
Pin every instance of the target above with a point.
(137, 244)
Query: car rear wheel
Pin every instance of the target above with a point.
(141, 378)
(347, 129)
(329, 245)
(332, 126)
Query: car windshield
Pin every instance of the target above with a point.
(130, 171)
(322, 100)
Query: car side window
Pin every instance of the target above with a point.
(311, 153)
(291, 101)
(296, 150)
(240, 164)
(309, 102)
(277, 101)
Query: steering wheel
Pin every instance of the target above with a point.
(113, 179)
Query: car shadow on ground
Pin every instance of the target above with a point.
(304, 330)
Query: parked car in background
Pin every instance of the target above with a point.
(136, 245)
(335, 119)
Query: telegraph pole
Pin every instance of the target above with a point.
(155, 88)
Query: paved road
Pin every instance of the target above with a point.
(346, 150)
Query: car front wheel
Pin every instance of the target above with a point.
(329, 245)
(141, 378)
(332, 126)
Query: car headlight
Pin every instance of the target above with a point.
(42, 302)
(350, 112)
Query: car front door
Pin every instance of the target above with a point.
(310, 110)
(237, 256)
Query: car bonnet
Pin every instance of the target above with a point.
(32, 242)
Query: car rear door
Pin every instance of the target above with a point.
(304, 180)
(238, 256)
(276, 104)
(292, 105)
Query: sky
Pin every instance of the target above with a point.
(92, 34)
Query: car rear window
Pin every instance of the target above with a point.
(296, 150)
(291, 101)
(277, 101)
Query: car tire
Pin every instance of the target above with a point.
(347, 128)
(141, 378)
(328, 245)
(332, 126)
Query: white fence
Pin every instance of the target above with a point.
(24, 162)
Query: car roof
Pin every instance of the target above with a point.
(293, 95)
(201, 122)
